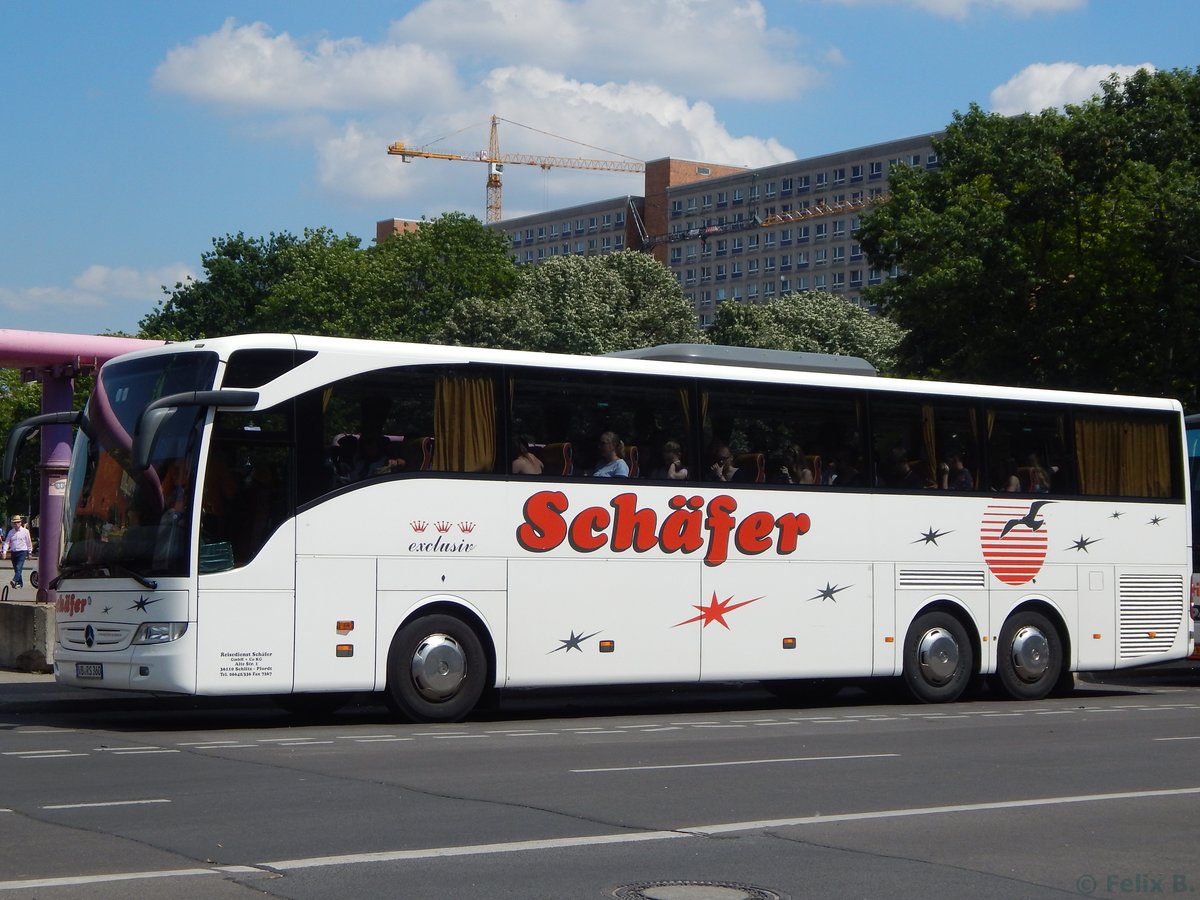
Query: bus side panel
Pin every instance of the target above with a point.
(335, 623)
(1097, 633)
(561, 609)
(779, 619)
(245, 628)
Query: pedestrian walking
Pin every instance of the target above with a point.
(19, 543)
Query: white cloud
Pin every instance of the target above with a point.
(99, 298)
(1049, 85)
(448, 65)
(245, 66)
(710, 48)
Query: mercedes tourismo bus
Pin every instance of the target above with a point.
(299, 516)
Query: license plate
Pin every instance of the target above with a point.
(89, 670)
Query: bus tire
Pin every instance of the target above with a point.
(939, 659)
(436, 669)
(1029, 661)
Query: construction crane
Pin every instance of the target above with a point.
(495, 162)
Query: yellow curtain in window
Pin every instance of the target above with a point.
(464, 425)
(1123, 458)
(929, 437)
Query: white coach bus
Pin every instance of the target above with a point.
(301, 516)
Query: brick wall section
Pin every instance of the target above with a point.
(667, 173)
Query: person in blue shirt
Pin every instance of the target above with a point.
(611, 464)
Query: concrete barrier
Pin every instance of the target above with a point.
(27, 636)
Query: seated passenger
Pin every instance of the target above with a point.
(794, 468)
(672, 468)
(524, 461)
(722, 468)
(611, 464)
(953, 475)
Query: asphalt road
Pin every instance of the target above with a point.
(675, 794)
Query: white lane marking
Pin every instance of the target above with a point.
(125, 749)
(44, 754)
(456, 737)
(142, 752)
(737, 762)
(936, 810)
(472, 850)
(380, 740)
(203, 743)
(595, 840)
(552, 733)
(303, 743)
(107, 803)
(1192, 737)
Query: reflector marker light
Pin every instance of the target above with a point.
(345, 626)
(608, 646)
(789, 643)
(345, 649)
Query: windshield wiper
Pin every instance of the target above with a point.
(148, 583)
(77, 569)
(106, 568)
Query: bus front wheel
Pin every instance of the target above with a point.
(436, 669)
(1029, 662)
(939, 659)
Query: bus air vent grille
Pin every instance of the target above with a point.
(104, 637)
(1151, 612)
(940, 579)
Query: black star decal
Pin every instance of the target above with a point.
(107, 610)
(1157, 520)
(827, 593)
(1083, 543)
(573, 642)
(1116, 515)
(143, 602)
(931, 536)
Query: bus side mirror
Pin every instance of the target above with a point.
(145, 433)
(21, 432)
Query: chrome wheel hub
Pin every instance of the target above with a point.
(439, 666)
(937, 652)
(1030, 653)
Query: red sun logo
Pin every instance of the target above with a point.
(1014, 538)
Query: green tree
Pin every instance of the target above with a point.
(322, 283)
(813, 322)
(580, 304)
(240, 273)
(1060, 249)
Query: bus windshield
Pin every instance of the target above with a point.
(119, 521)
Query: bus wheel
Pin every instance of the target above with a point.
(436, 669)
(1029, 662)
(938, 658)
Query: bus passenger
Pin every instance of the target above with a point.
(672, 468)
(611, 464)
(722, 468)
(524, 461)
(953, 475)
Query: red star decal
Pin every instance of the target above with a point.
(715, 611)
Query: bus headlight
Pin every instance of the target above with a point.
(160, 632)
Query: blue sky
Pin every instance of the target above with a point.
(136, 132)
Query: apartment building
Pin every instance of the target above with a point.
(736, 234)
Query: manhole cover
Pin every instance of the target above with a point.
(694, 890)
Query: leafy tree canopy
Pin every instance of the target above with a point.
(320, 283)
(813, 322)
(580, 304)
(1061, 249)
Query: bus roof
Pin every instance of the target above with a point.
(752, 357)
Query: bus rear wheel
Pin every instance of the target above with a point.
(1029, 663)
(939, 659)
(436, 669)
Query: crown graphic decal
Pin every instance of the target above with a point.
(442, 527)
(466, 527)
(418, 526)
